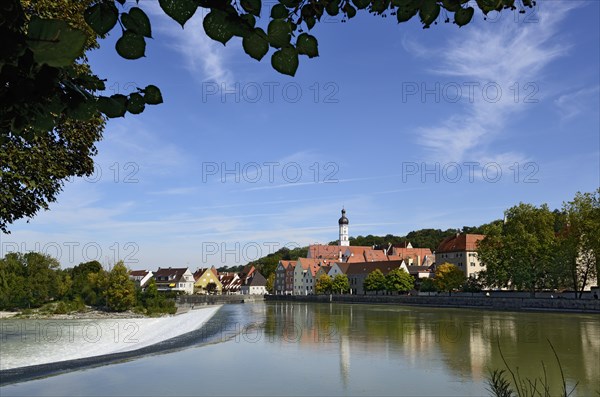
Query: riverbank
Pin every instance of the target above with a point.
(487, 303)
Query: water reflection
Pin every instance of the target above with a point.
(300, 349)
(466, 342)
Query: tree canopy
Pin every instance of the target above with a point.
(398, 280)
(340, 283)
(449, 277)
(323, 284)
(375, 281)
(48, 90)
(520, 253)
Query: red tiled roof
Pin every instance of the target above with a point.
(462, 242)
(356, 249)
(374, 255)
(394, 258)
(306, 262)
(406, 253)
(286, 264)
(324, 251)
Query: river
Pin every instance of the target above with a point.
(290, 348)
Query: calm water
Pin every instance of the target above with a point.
(335, 349)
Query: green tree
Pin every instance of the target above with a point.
(211, 288)
(48, 90)
(398, 280)
(120, 294)
(427, 285)
(340, 284)
(270, 283)
(472, 285)
(520, 253)
(324, 284)
(88, 283)
(579, 240)
(448, 277)
(13, 284)
(375, 281)
(153, 302)
(28, 280)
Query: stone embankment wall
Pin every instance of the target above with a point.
(490, 303)
(185, 301)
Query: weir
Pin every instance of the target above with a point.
(36, 348)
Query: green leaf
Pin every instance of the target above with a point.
(137, 21)
(279, 11)
(43, 122)
(113, 106)
(290, 3)
(251, 6)
(82, 111)
(463, 16)
(248, 19)
(131, 45)
(310, 22)
(216, 26)
(405, 13)
(179, 10)
(136, 103)
(429, 12)
(333, 7)
(490, 5)
(285, 61)
(54, 42)
(307, 45)
(451, 5)
(256, 45)
(152, 95)
(101, 17)
(361, 4)
(349, 10)
(379, 6)
(279, 33)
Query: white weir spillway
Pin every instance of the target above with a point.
(34, 342)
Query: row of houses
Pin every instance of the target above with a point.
(356, 262)
(202, 281)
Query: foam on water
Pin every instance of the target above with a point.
(33, 342)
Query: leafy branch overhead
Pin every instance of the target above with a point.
(48, 92)
(288, 20)
(55, 46)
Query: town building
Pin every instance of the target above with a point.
(255, 284)
(358, 272)
(282, 286)
(204, 277)
(174, 279)
(461, 251)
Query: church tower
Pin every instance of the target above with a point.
(343, 222)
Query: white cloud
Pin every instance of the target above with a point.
(204, 58)
(576, 102)
(498, 60)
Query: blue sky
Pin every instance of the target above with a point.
(408, 129)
